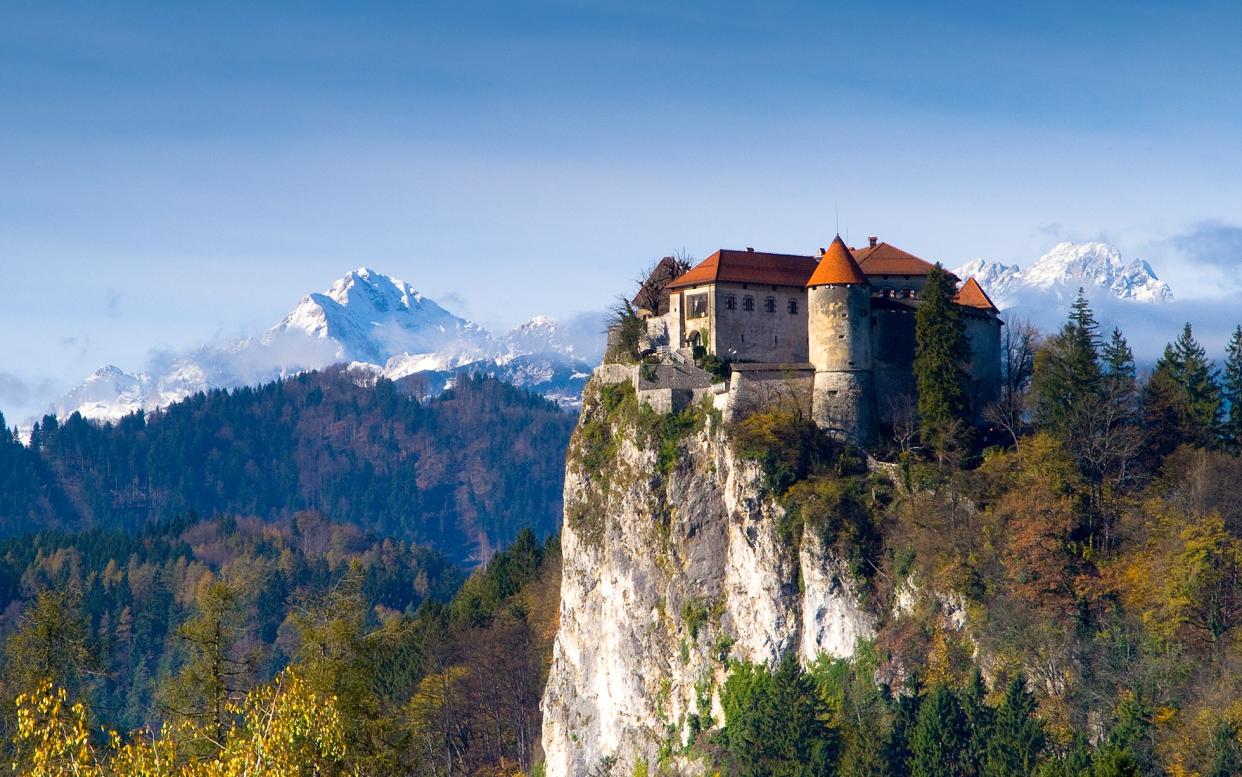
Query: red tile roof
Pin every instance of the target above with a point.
(749, 267)
(885, 259)
(972, 295)
(837, 265)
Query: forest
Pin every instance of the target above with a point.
(463, 471)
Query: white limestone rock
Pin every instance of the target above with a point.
(665, 576)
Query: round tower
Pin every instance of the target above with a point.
(839, 335)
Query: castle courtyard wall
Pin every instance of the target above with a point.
(740, 335)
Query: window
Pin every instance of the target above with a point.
(793, 306)
(731, 302)
(748, 304)
(770, 304)
(696, 306)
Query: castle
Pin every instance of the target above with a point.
(835, 331)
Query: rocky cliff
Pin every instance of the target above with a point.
(676, 560)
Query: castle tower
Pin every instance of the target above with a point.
(839, 334)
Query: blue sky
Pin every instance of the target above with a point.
(170, 174)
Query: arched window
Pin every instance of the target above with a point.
(793, 306)
(748, 303)
(770, 304)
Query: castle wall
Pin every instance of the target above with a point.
(839, 327)
(759, 334)
(983, 331)
(893, 358)
(755, 387)
(839, 330)
(897, 283)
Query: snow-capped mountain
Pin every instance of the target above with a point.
(378, 324)
(1097, 268)
(371, 317)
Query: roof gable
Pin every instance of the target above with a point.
(972, 295)
(728, 266)
(886, 259)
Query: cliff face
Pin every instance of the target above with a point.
(674, 562)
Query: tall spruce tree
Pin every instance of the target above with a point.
(941, 352)
(1185, 372)
(1118, 365)
(1067, 371)
(979, 718)
(940, 740)
(1226, 752)
(1018, 738)
(1231, 429)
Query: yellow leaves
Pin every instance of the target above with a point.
(283, 728)
(53, 736)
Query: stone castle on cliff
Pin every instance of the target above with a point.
(834, 333)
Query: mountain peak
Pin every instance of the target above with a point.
(1096, 267)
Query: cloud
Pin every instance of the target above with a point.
(1205, 260)
(20, 396)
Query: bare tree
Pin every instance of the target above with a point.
(653, 283)
(1019, 342)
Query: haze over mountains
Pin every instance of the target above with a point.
(379, 325)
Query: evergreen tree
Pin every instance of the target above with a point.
(1074, 762)
(217, 670)
(1188, 378)
(1018, 736)
(1231, 429)
(1226, 753)
(1067, 372)
(52, 643)
(940, 739)
(941, 353)
(1114, 761)
(979, 721)
(905, 719)
(1118, 368)
(774, 723)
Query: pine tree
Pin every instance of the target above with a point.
(1067, 371)
(1118, 367)
(1231, 429)
(905, 718)
(1226, 752)
(941, 352)
(979, 719)
(1196, 396)
(940, 739)
(1017, 736)
(216, 673)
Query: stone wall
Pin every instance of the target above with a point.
(759, 334)
(983, 331)
(754, 387)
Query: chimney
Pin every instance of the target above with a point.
(750, 250)
(873, 240)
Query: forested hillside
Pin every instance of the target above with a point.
(297, 647)
(462, 472)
